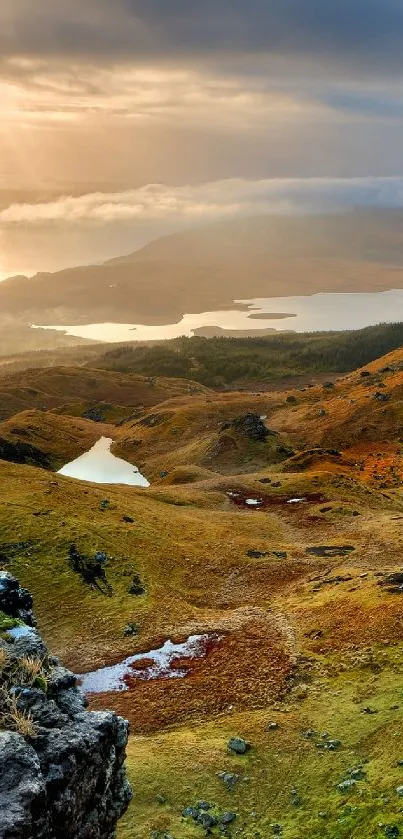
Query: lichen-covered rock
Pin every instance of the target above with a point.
(66, 779)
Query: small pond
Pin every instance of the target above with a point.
(100, 466)
(155, 664)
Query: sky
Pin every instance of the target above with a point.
(125, 119)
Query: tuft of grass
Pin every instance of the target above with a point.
(11, 717)
(26, 671)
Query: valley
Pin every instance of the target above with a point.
(272, 529)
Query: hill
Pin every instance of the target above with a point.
(43, 439)
(206, 269)
(256, 362)
(294, 659)
(280, 551)
(87, 390)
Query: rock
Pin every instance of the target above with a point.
(69, 780)
(332, 745)
(358, 774)
(227, 818)
(399, 791)
(230, 779)
(251, 426)
(238, 745)
(391, 831)
(364, 374)
(203, 805)
(330, 550)
(273, 726)
(277, 829)
(130, 629)
(190, 813)
(265, 481)
(137, 588)
(348, 786)
(160, 799)
(321, 412)
(382, 397)
(128, 519)
(328, 385)
(94, 414)
(14, 600)
(207, 820)
(395, 579)
(292, 400)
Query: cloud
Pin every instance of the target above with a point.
(210, 201)
(363, 33)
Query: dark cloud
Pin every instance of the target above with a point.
(365, 33)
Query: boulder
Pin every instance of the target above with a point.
(238, 745)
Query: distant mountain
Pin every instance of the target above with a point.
(207, 268)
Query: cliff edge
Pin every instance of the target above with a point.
(62, 772)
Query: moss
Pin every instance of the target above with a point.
(7, 623)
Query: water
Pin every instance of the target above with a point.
(100, 466)
(114, 678)
(21, 632)
(311, 313)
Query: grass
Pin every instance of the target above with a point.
(183, 766)
(306, 641)
(19, 672)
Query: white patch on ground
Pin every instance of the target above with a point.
(113, 678)
(100, 466)
(253, 502)
(295, 500)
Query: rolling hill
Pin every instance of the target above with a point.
(288, 564)
(86, 389)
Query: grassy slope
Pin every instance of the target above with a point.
(59, 386)
(189, 546)
(59, 438)
(295, 647)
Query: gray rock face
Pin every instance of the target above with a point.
(14, 600)
(67, 780)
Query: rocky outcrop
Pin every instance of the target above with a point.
(62, 773)
(251, 426)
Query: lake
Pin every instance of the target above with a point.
(317, 312)
(100, 466)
